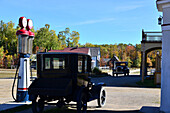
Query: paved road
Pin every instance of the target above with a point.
(123, 99)
(5, 90)
(120, 96)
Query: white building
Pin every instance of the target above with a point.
(164, 6)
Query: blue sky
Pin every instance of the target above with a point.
(97, 21)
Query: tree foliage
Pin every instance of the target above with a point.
(69, 39)
(125, 52)
(46, 38)
(8, 37)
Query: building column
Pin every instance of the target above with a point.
(164, 6)
(143, 66)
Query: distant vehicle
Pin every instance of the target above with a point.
(33, 61)
(33, 64)
(121, 68)
(64, 77)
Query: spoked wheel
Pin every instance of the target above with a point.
(37, 107)
(82, 104)
(102, 98)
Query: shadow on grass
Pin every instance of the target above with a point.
(148, 83)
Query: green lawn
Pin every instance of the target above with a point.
(10, 73)
(147, 83)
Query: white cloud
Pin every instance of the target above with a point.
(88, 22)
(127, 8)
(94, 21)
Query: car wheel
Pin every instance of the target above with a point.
(82, 103)
(38, 107)
(60, 103)
(102, 98)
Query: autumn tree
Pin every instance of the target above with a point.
(2, 55)
(8, 37)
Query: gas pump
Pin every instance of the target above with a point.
(24, 48)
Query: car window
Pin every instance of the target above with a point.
(80, 64)
(47, 63)
(54, 63)
(58, 63)
(85, 64)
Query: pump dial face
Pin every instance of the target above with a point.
(30, 24)
(24, 22)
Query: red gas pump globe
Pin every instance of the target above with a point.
(22, 22)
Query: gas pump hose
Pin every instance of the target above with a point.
(15, 80)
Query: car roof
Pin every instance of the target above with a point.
(62, 53)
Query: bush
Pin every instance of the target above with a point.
(97, 70)
(2, 55)
(9, 60)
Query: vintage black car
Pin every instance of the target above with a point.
(121, 68)
(64, 77)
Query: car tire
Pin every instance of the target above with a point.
(82, 103)
(38, 107)
(102, 98)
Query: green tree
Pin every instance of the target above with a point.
(89, 45)
(46, 38)
(2, 55)
(129, 62)
(69, 39)
(8, 37)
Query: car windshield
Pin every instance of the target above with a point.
(121, 64)
(55, 63)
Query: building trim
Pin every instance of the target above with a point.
(162, 4)
(166, 27)
(166, 6)
(162, 1)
